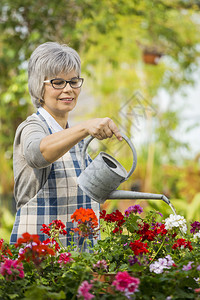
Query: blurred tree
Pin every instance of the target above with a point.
(111, 37)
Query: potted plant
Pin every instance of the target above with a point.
(151, 57)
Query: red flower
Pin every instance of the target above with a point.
(56, 227)
(27, 238)
(117, 229)
(143, 229)
(45, 229)
(182, 243)
(149, 235)
(174, 235)
(102, 214)
(52, 243)
(115, 216)
(4, 250)
(160, 229)
(138, 247)
(87, 222)
(33, 250)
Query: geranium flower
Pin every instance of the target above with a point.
(65, 258)
(55, 228)
(133, 260)
(146, 233)
(4, 250)
(176, 221)
(115, 217)
(182, 243)
(161, 264)
(197, 235)
(133, 209)
(101, 264)
(34, 250)
(160, 229)
(138, 247)
(195, 227)
(12, 269)
(87, 222)
(125, 283)
(27, 238)
(51, 242)
(83, 290)
(188, 266)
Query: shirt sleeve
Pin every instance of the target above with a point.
(31, 137)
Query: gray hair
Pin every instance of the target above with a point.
(48, 60)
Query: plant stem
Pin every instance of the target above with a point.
(158, 250)
(59, 242)
(83, 245)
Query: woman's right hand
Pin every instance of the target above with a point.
(57, 144)
(102, 128)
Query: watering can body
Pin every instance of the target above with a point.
(104, 174)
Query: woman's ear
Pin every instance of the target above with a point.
(41, 102)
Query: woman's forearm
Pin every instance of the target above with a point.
(57, 144)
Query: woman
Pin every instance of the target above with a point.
(47, 152)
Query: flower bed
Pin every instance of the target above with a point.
(149, 258)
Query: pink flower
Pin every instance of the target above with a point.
(83, 290)
(65, 258)
(188, 266)
(101, 264)
(125, 283)
(11, 269)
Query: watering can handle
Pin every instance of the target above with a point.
(128, 142)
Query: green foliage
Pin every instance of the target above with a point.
(42, 293)
(46, 278)
(6, 223)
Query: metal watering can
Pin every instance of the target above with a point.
(104, 174)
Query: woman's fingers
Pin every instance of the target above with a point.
(103, 128)
(113, 127)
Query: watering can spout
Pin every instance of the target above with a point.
(100, 179)
(119, 194)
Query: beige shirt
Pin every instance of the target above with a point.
(30, 168)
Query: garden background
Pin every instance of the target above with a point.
(140, 61)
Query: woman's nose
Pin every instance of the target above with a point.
(67, 88)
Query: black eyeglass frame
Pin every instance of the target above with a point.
(66, 82)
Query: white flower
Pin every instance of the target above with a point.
(161, 264)
(197, 235)
(170, 260)
(156, 267)
(176, 221)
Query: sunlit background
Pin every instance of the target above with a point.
(140, 61)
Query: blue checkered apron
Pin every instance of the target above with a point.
(57, 199)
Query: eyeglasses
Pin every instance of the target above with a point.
(59, 83)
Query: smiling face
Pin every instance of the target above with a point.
(59, 102)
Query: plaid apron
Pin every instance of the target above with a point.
(57, 199)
